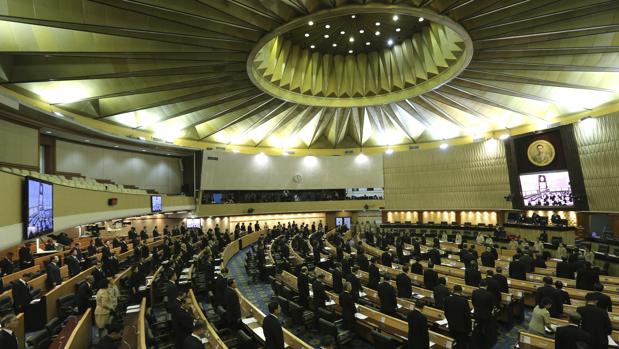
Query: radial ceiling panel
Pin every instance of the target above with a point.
(313, 74)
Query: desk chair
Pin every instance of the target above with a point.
(383, 341)
(341, 336)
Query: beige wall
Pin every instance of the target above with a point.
(145, 171)
(598, 147)
(286, 207)
(251, 172)
(74, 206)
(472, 176)
(19, 145)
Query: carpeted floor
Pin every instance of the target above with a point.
(260, 293)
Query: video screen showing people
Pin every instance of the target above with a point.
(155, 203)
(547, 189)
(194, 223)
(40, 208)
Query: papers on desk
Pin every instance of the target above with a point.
(184, 276)
(330, 302)
(129, 311)
(133, 306)
(259, 332)
(204, 340)
(185, 270)
(611, 342)
(432, 344)
(249, 320)
(362, 294)
(322, 260)
(553, 327)
(418, 296)
(360, 316)
(442, 322)
(142, 288)
(399, 305)
(35, 301)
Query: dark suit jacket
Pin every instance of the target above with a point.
(84, 293)
(586, 278)
(7, 341)
(273, 334)
(99, 276)
(441, 292)
(553, 294)
(495, 289)
(487, 259)
(458, 313)
(182, 322)
(336, 276)
(233, 306)
(596, 322)
(21, 295)
(7, 266)
(386, 259)
(483, 302)
(503, 285)
(374, 276)
(430, 279)
(362, 262)
(564, 270)
(388, 301)
(472, 277)
(417, 268)
(53, 275)
(319, 297)
(171, 290)
(404, 285)
(567, 336)
(303, 287)
(220, 287)
(604, 301)
(355, 285)
(517, 270)
(74, 265)
(418, 336)
(192, 342)
(348, 310)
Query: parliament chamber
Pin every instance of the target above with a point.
(309, 174)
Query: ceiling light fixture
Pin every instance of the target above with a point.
(312, 46)
(48, 132)
(420, 19)
(310, 23)
(395, 17)
(326, 36)
(353, 16)
(115, 146)
(367, 43)
(390, 42)
(377, 24)
(351, 39)
(361, 31)
(377, 33)
(342, 32)
(327, 26)
(334, 45)
(350, 51)
(307, 35)
(398, 29)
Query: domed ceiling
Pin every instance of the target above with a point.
(313, 73)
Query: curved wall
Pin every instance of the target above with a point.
(74, 206)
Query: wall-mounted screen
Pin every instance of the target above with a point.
(547, 189)
(155, 203)
(343, 221)
(194, 223)
(39, 208)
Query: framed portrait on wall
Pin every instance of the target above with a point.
(541, 153)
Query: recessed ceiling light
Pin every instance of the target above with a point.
(342, 32)
(350, 51)
(334, 45)
(57, 113)
(353, 16)
(389, 42)
(351, 39)
(377, 33)
(327, 26)
(326, 36)
(310, 23)
(307, 35)
(367, 43)
(420, 19)
(312, 46)
(377, 24)
(395, 17)
(397, 29)
(361, 31)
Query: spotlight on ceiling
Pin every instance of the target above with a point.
(334, 45)
(389, 151)
(353, 16)
(310, 23)
(420, 19)
(350, 51)
(307, 35)
(397, 29)
(367, 43)
(326, 36)
(327, 26)
(377, 33)
(390, 42)
(395, 17)
(351, 39)
(504, 136)
(342, 32)
(361, 31)
(312, 46)
(444, 146)
(377, 24)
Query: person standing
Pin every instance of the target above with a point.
(386, 294)
(8, 340)
(104, 308)
(418, 336)
(570, 336)
(233, 306)
(349, 309)
(273, 334)
(596, 322)
(458, 315)
(194, 341)
(485, 330)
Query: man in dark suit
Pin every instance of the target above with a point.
(73, 264)
(221, 282)
(8, 340)
(492, 285)
(568, 337)
(6, 264)
(404, 283)
(336, 277)
(362, 261)
(418, 336)
(386, 259)
(564, 269)
(25, 256)
(458, 315)
(517, 269)
(386, 294)
(501, 279)
(417, 268)
(472, 275)
(434, 256)
(233, 306)
(430, 277)
(194, 341)
(548, 291)
(318, 290)
(273, 334)
(84, 294)
(596, 322)
(487, 258)
(53, 273)
(182, 321)
(374, 274)
(355, 283)
(347, 303)
(303, 286)
(112, 339)
(440, 293)
(21, 295)
(99, 275)
(171, 289)
(485, 329)
(586, 277)
(604, 300)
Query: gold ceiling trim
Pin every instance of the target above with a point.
(412, 67)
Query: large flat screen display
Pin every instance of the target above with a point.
(194, 223)
(39, 208)
(155, 203)
(546, 189)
